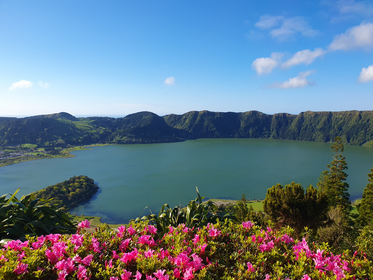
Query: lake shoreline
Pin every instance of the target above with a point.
(64, 153)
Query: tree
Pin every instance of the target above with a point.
(366, 206)
(333, 181)
(241, 209)
(293, 206)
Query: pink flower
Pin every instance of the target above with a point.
(126, 275)
(160, 274)
(110, 264)
(53, 238)
(202, 247)
(131, 230)
(149, 253)
(152, 229)
(77, 259)
(127, 257)
(87, 260)
(267, 277)
(146, 239)
(250, 267)
(181, 260)
(52, 258)
(247, 224)
(266, 247)
(188, 274)
(197, 262)
(114, 278)
(177, 273)
(285, 238)
(21, 268)
(138, 275)
(115, 255)
(82, 272)
(306, 277)
(66, 265)
(148, 277)
(84, 224)
(196, 239)
(214, 232)
(124, 245)
(62, 275)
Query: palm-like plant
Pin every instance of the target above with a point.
(30, 216)
(195, 214)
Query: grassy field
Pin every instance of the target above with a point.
(256, 204)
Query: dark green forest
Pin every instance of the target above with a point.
(69, 193)
(63, 129)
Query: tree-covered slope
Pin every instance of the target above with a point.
(355, 127)
(143, 127)
(61, 129)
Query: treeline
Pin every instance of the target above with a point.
(69, 193)
(63, 129)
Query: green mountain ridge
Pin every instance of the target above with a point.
(62, 129)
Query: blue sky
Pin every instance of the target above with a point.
(113, 58)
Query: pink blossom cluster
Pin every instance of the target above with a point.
(136, 252)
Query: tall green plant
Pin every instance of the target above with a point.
(29, 216)
(195, 214)
(333, 181)
(366, 206)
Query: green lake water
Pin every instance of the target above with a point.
(132, 177)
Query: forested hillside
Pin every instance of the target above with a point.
(63, 129)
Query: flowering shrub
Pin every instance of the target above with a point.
(216, 251)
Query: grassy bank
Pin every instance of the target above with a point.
(40, 154)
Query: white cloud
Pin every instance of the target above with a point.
(43, 85)
(268, 21)
(265, 65)
(297, 82)
(305, 57)
(360, 36)
(360, 8)
(288, 27)
(21, 84)
(366, 74)
(170, 81)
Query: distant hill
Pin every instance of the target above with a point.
(62, 129)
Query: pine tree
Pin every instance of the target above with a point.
(366, 205)
(242, 210)
(293, 206)
(333, 181)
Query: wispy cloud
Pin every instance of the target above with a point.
(366, 74)
(265, 65)
(268, 21)
(360, 36)
(43, 85)
(303, 57)
(21, 85)
(297, 82)
(349, 9)
(170, 81)
(354, 7)
(285, 28)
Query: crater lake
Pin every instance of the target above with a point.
(133, 177)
